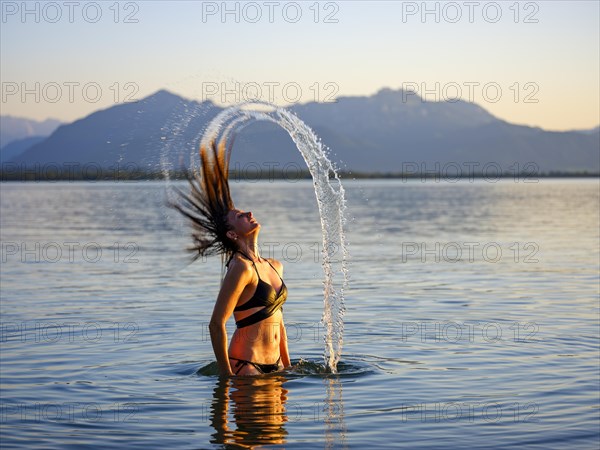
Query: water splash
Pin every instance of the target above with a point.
(330, 199)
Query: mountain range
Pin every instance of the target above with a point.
(386, 132)
(16, 128)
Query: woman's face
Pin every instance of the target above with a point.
(242, 223)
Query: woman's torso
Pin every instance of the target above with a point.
(259, 341)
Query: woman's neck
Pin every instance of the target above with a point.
(251, 249)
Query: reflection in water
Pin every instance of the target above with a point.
(252, 411)
(257, 412)
(335, 427)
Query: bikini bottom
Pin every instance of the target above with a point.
(262, 368)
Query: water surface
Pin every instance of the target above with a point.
(472, 319)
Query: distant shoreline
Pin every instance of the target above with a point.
(31, 175)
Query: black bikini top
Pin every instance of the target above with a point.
(264, 295)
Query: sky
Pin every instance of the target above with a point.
(530, 63)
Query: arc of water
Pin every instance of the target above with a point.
(330, 199)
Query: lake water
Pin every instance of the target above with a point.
(472, 319)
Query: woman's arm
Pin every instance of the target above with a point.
(236, 279)
(218, 416)
(283, 346)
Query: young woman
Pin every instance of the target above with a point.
(252, 288)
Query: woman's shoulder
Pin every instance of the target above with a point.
(240, 265)
(275, 263)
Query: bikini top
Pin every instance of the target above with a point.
(264, 295)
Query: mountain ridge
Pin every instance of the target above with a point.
(14, 128)
(380, 133)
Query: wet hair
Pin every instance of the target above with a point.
(208, 203)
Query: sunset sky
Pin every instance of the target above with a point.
(531, 63)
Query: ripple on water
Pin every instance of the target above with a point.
(301, 368)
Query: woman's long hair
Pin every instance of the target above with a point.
(208, 203)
